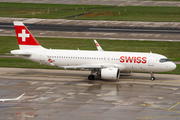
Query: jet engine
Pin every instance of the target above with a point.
(110, 73)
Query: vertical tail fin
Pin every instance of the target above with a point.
(24, 37)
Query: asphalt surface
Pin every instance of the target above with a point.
(113, 30)
(67, 94)
(74, 28)
(104, 2)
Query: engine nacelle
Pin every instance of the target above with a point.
(110, 73)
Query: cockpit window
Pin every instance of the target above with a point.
(164, 60)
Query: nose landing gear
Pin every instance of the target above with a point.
(152, 76)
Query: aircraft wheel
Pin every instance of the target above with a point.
(152, 78)
(91, 77)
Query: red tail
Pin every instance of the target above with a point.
(25, 38)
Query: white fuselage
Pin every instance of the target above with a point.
(124, 61)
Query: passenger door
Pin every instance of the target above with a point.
(151, 61)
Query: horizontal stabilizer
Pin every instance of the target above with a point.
(20, 52)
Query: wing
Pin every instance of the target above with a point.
(19, 97)
(98, 46)
(121, 67)
(89, 66)
(83, 67)
(2, 100)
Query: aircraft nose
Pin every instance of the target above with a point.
(173, 66)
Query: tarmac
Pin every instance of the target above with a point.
(104, 2)
(68, 94)
(96, 35)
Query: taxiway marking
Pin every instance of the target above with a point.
(150, 104)
(147, 117)
(173, 106)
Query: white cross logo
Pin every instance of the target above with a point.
(23, 35)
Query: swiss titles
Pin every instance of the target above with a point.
(132, 59)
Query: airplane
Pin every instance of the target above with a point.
(3, 100)
(107, 64)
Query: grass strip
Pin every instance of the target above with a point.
(45, 11)
(22, 63)
(169, 49)
(136, 13)
(90, 12)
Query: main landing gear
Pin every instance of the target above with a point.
(152, 76)
(91, 76)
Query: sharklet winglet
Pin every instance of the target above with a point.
(98, 46)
